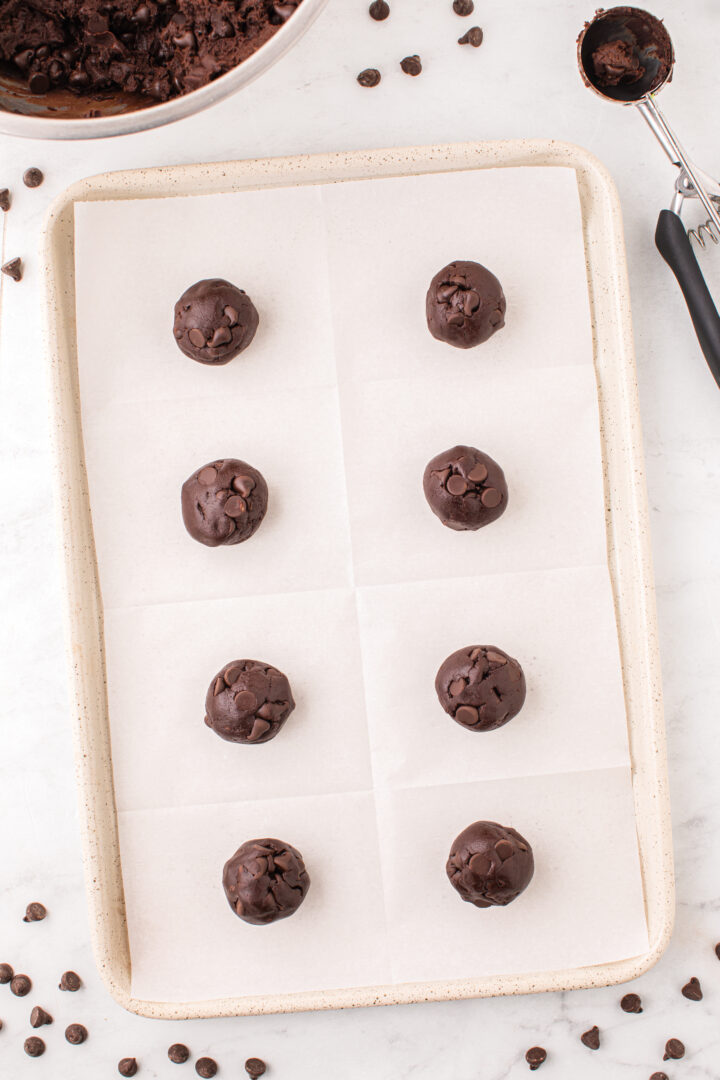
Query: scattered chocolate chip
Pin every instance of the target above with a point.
(70, 981)
(369, 77)
(631, 1003)
(591, 1038)
(255, 1067)
(127, 1067)
(205, 1067)
(411, 65)
(692, 990)
(535, 1057)
(5, 199)
(473, 37)
(463, 7)
(34, 1047)
(33, 178)
(178, 1053)
(35, 913)
(659, 1076)
(6, 973)
(38, 1017)
(76, 1034)
(379, 10)
(674, 1050)
(21, 985)
(13, 269)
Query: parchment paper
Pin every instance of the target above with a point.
(351, 586)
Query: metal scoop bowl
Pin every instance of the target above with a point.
(626, 55)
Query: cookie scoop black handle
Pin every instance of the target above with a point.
(674, 245)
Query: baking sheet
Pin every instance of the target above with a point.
(300, 423)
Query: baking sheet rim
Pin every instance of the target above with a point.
(629, 555)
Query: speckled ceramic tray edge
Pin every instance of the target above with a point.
(629, 550)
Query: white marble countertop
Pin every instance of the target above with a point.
(522, 82)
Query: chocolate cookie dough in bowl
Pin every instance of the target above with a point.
(90, 68)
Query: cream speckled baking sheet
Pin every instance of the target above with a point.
(629, 564)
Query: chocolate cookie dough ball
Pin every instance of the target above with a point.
(214, 321)
(465, 304)
(490, 864)
(265, 880)
(248, 702)
(465, 488)
(481, 687)
(224, 502)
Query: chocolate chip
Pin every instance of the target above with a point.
(70, 981)
(38, 1017)
(504, 849)
(20, 985)
(659, 1076)
(479, 864)
(259, 728)
(35, 913)
(243, 485)
(205, 1067)
(6, 973)
(34, 1046)
(491, 498)
(463, 7)
(76, 1034)
(5, 199)
(535, 1057)
(207, 476)
(591, 1038)
(233, 673)
(674, 1050)
(473, 37)
(33, 178)
(478, 473)
(38, 84)
(197, 338)
(235, 507)
(379, 10)
(456, 485)
(631, 1003)
(369, 77)
(231, 314)
(222, 336)
(411, 65)
(255, 1067)
(467, 715)
(456, 687)
(178, 1053)
(13, 269)
(127, 1066)
(692, 990)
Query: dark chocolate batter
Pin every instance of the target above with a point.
(265, 880)
(156, 48)
(481, 687)
(490, 864)
(248, 702)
